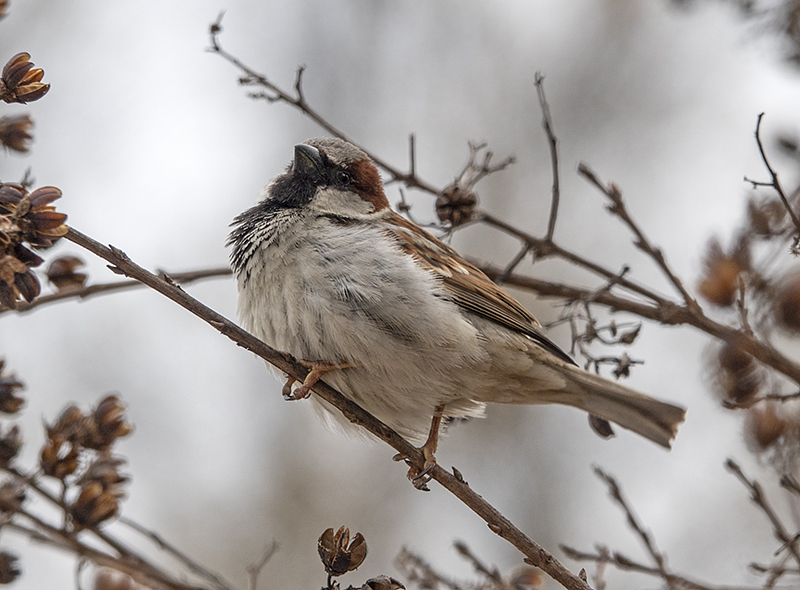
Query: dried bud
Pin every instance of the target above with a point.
(61, 273)
(9, 567)
(720, 281)
(59, 457)
(21, 82)
(455, 206)
(94, 505)
(15, 132)
(382, 583)
(337, 557)
(10, 445)
(16, 281)
(10, 402)
(787, 303)
(739, 376)
(12, 495)
(764, 426)
(107, 424)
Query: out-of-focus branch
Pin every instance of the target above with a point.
(181, 278)
(547, 124)
(774, 183)
(498, 524)
(788, 541)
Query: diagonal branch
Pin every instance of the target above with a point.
(534, 553)
(617, 207)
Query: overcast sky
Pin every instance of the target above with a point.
(157, 148)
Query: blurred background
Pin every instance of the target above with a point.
(156, 148)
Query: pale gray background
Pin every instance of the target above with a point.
(156, 148)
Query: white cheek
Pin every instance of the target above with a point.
(338, 202)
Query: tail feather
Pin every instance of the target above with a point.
(644, 415)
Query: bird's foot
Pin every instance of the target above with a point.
(317, 370)
(420, 478)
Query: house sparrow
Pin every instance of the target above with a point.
(394, 318)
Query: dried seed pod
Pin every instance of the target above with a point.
(766, 218)
(787, 303)
(107, 424)
(71, 425)
(382, 583)
(94, 505)
(21, 82)
(455, 206)
(61, 273)
(10, 402)
(108, 579)
(764, 426)
(337, 557)
(12, 495)
(10, 445)
(59, 457)
(15, 132)
(739, 376)
(720, 281)
(9, 567)
(105, 469)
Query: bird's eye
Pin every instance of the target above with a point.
(343, 178)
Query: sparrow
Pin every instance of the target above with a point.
(396, 319)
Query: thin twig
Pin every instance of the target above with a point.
(501, 526)
(645, 537)
(164, 545)
(181, 278)
(617, 207)
(254, 569)
(547, 123)
(491, 573)
(624, 563)
(760, 500)
(775, 183)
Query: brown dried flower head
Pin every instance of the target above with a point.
(70, 425)
(21, 82)
(105, 470)
(59, 457)
(38, 222)
(10, 445)
(787, 303)
(9, 567)
(764, 426)
(61, 273)
(455, 206)
(15, 132)
(10, 402)
(107, 423)
(739, 376)
(94, 505)
(720, 281)
(337, 556)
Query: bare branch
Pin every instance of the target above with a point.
(760, 500)
(254, 569)
(775, 183)
(547, 123)
(498, 524)
(617, 207)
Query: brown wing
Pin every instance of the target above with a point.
(469, 287)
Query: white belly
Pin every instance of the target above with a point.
(347, 294)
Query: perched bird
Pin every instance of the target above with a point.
(394, 318)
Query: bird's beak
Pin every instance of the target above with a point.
(307, 160)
